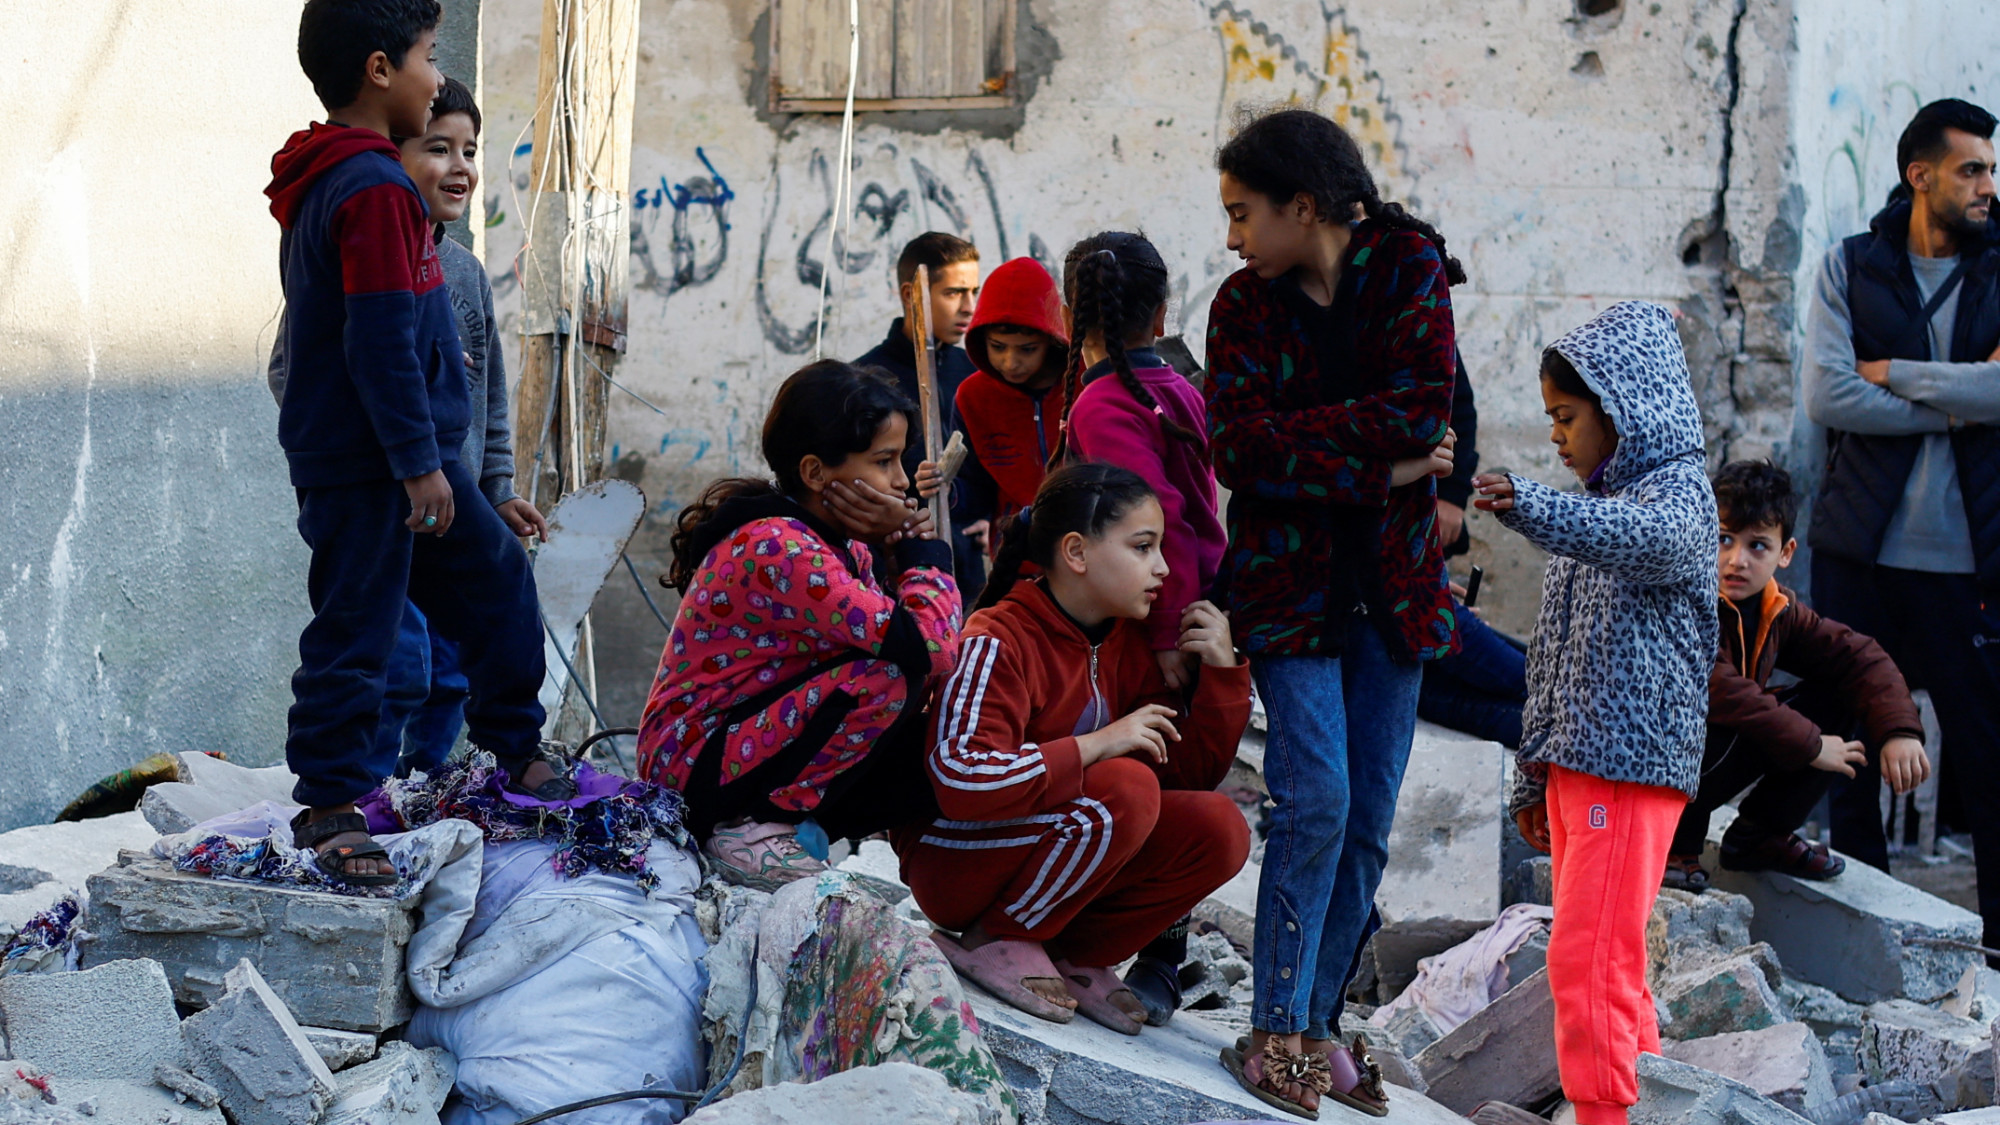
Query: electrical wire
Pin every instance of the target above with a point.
(577, 681)
(646, 594)
(843, 181)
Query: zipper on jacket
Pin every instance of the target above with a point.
(1041, 439)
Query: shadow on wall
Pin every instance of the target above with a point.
(152, 587)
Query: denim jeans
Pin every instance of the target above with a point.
(408, 684)
(424, 708)
(1482, 689)
(1340, 733)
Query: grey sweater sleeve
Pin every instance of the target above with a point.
(1967, 391)
(496, 471)
(1836, 395)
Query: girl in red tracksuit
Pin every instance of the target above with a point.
(1079, 812)
(1011, 408)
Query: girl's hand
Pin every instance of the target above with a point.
(1175, 667)
(1496, 492)
(929, 479)
(1437, 463)
(1205, 634)
(1533, 822)
(1904, 764)
(918, 526)
(1145, 731)
(522, 518)
(869, 514)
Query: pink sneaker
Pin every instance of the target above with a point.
(760, 856)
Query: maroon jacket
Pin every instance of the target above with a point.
(1790, 636)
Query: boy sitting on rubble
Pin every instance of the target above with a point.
(1783, 740)
(375, 410)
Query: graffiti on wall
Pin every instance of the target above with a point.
(1861, 169)
(697, 231)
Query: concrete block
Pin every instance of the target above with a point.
(210, 787)
(1674, 1093)
(187, 1086)
(340, 1049)
(1082, 1073)
(1988, 1115)
(1863, 934)
(405, 1086)
(1977, 996)
(1688, 929)
(115, 1021)
(1820, 1008)
(248, 1046)
(1505, 1053)
(43, 862)
(1904, 1039)
(117, 1102)
(336, 961)
(1444, 849)
(1785, 1062)
(867, 1095)
(1718, 997)
(1532, 880)
(1410, 1030)
(1233, 906)
(875, 866)
(1397, 947)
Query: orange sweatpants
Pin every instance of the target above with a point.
(1609, 841)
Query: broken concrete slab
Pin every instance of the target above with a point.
(874, 865)
(114, 1102)
(1233, 906)
(208, 788)
(336, 961)
(1719, 997)
(43, 862)
(1410, 1030)
(247, 1045)
(1784, 1062)
(1687, 929)
(1507, 1052)
(187, 1086)
(1533, 880)
(1977, 996)
(1864, 934)
(340, 1049)
(1674, 1093)
(405, 1086)
(1988, 1115)
(1444, 846)
(1080, 1072)
(1819, 1007)
(1397, 947)
(866, 1095)
(1904, 1039)
(114, 1021)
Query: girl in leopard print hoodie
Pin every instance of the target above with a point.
(1617, 674)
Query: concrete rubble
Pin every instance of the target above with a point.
(247, 1045)
(1904, 1039)
(405, 1086)
(210, 787)
(1735, 993)
(868, 1095)
(340, 1049)
(115, 1021)
(1783, 1062)
(1674, 1093)
(43, 862)
(1507, 1052)
(1444, 846)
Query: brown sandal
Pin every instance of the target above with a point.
(1787, 855)
(1685, 873)
(1306, 1068)
(1357, 1079)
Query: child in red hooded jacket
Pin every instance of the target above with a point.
(1011, 408)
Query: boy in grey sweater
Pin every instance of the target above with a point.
(425, 703)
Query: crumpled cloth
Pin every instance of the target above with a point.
(1453, 986)
(46, 942)
(254, 845)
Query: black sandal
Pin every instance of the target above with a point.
(561, 787)
(1158, 987)
(1787, 854)
(1685, 873)
(333, 861)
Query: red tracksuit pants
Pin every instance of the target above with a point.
(1609, 841)
(1093, 879)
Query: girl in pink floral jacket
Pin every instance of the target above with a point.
(787, 705)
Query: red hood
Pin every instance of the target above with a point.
(308, 154)
(1020, 293)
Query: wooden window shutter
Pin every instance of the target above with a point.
(915, 54)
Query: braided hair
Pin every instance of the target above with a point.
(1294, 152)
(1113, 282)
(1086, 498)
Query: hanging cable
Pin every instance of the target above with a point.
(646, 594)
(843, 178)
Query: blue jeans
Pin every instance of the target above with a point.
(1480, 691)
(1340, 733)
(424, 706)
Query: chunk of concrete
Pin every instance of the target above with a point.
(1864, 934)
(1988, 1115)
(1444, 847)
(336, 960)
(63, 856)
(1785, 1062)
(1819, 1007)
(1977, 996)
(114, 1021)
(187, 1086)
(1507, 1052)
(208, 788)
(1686, 930)
(116, 1102)
(1080, 1072)
(1411, 1030)
(405, 1086)
(1397, 947)
(1533, 880)
(1233, 906)
(248, 1046)
(866, 1095)
(340, 1049)
(874, 865)
(1674, 1093)
(1904, 1039)
(1719, 997)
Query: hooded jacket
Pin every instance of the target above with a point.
(1619, 665)
(375, 373)
(1012, 430)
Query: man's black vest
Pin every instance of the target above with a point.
(1866, 473)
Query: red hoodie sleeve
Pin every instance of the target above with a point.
(1210, 722)
(982, 765)
(1107, 425)
(379, 233)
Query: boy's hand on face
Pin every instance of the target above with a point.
(1533, 822)
(1904, 764)
(1496, 492)
(1840, 755)
(430, 503)
(1205, 635)
(523, 519)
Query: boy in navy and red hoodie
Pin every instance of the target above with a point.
(374, 412)
(1012, 406)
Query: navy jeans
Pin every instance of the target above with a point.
(474, 586)
(424, 706)
(1482, 689)
(1339, 740)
